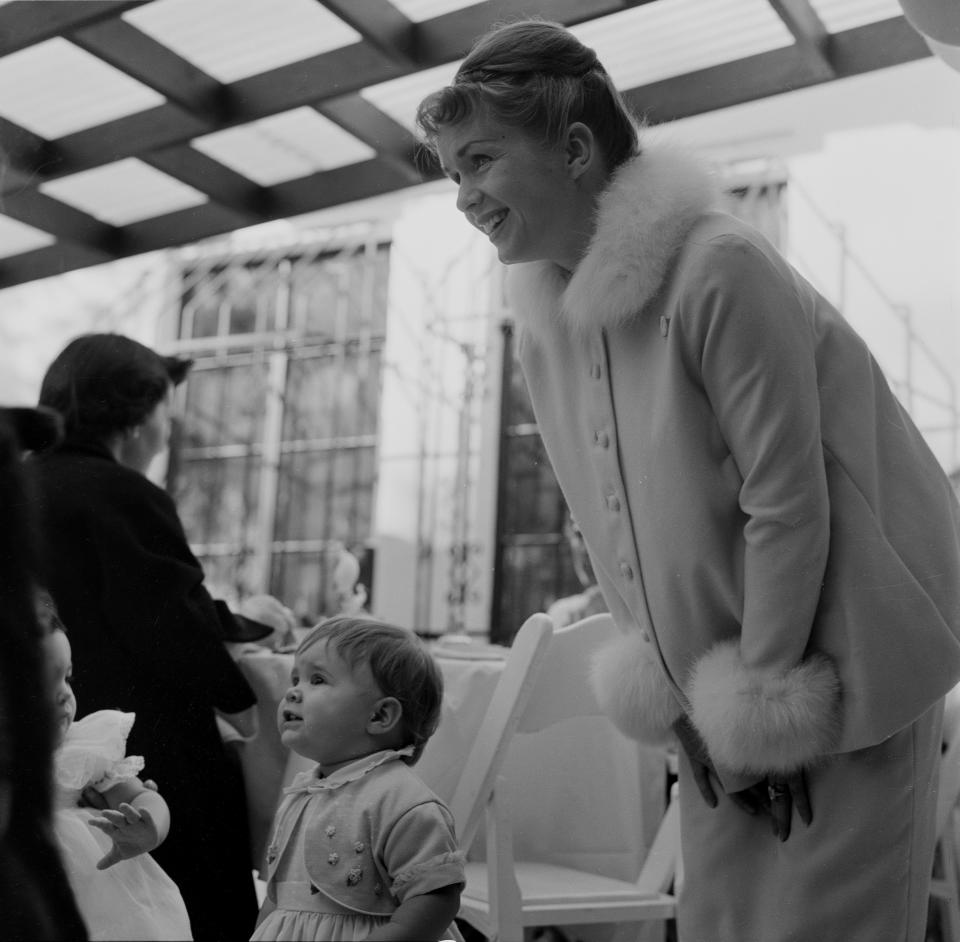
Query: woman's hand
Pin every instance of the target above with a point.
(786, 792)
(776, 795)
(700, 762)
(132, 831)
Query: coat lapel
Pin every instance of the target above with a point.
(642, 218)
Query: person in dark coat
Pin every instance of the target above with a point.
(147, 637)
(36, 901)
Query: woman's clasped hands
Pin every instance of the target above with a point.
(776, 794)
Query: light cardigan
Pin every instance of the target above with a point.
(776, 541)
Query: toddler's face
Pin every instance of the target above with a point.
(326, 711)
(59, 670)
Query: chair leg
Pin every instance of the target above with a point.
(506, 905)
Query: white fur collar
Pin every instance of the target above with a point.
(642, 217)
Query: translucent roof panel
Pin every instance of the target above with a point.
(399, 97)
(681, 36)
(284, 147)
(55, 88)
(17, 237)
(420, 10)
(233, 39)
(123, 192)
(838, 15)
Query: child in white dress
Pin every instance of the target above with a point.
(361, 849)
(121, 891)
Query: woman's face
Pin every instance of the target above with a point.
(518, 191)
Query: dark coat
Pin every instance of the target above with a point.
(148, 638)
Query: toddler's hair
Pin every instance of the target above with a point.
(400, 664)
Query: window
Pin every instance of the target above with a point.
(274, 460)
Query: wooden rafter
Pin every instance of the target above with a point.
(24, 23)
(809, 32)
(382, 25)
(390, 46)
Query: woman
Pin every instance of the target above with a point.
(147, 637)
(776, 542)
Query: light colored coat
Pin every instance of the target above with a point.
(772, 534)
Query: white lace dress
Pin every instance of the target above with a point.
(134, 899)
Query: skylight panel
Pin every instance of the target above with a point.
(55, 88)
(234, 39)
(838, 15)
(17, 237)
(284, 147)
(400, 97)
(420, 10)
(124, 192)
(671, 37)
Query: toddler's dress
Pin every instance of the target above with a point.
(134, 899)
(349, 847)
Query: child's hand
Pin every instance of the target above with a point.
(132, 831)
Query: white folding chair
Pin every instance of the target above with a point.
(545, 680)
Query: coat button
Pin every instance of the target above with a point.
(602, 439)
(626, 570)
(613, 503)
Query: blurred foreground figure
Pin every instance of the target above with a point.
(36, 902)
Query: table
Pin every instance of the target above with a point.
(583, 795)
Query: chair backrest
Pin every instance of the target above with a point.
(507, 705)
(561, 688)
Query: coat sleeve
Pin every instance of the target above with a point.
(152, 589)
(762, 702)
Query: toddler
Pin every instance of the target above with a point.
(361, 849)
(121, 891)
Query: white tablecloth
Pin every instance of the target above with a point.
(581, 793)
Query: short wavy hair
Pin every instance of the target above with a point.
(400, 664)
(535, 75)
(104, 384)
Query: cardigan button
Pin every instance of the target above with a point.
(613, 503)
(626, 570)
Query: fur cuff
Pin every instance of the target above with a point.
(632, 690)
(759, 722)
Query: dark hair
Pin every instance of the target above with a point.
(536, 75)
(103, 384)
(400, 664)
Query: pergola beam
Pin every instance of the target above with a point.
(25, 23)
(810, 33)
(158, 67)
(381, 24)
(369, 124)
(854, 52)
